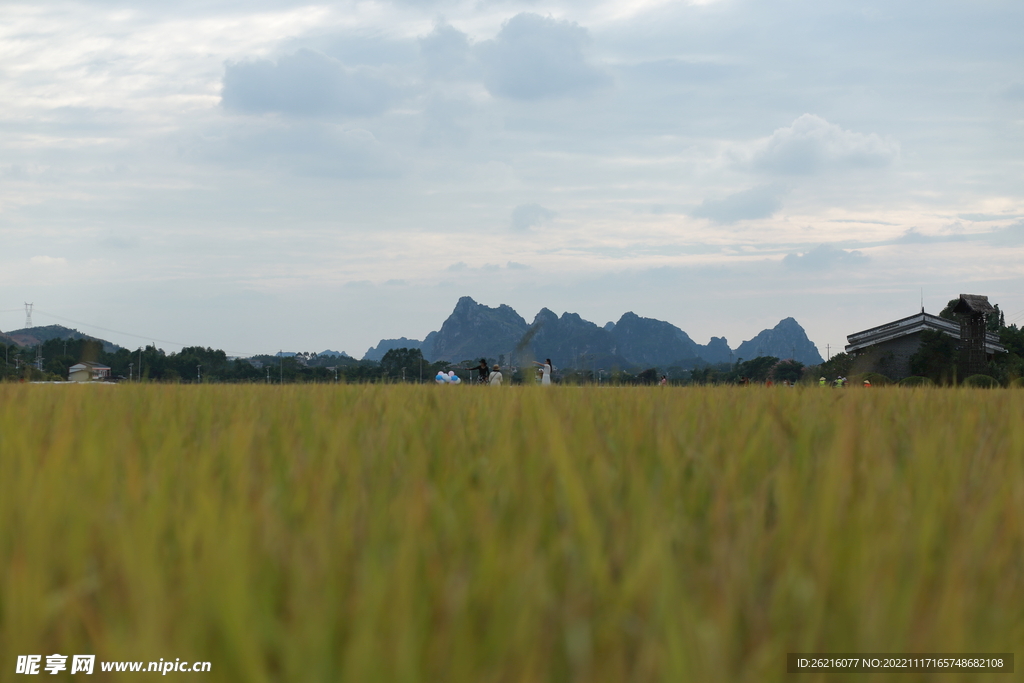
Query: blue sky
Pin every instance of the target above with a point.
(276, 174)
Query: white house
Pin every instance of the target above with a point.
(88, 372)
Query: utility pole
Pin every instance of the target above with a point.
(268, 375)
(280, 356)
(130, 367)
(199, 374)
(828, 352)
(28, 314)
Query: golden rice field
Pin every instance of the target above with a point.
(450, 534)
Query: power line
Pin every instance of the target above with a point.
(1016, 316)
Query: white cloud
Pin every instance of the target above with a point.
(812, 144)
(757, 202)
(445, 51)
(48, 261)
(535, 57)
(306, 83)
(824, 257)
(526, 216)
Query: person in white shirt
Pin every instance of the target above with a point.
(494, 379)
(545, 368)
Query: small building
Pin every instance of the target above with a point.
(88, 371)
(887, 349)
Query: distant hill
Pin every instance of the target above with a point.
(474, 330)
(572, 342)
(335, 354)
(377, 352)
(652, 343)
(716, 351)
(33, 336)
(785, 340)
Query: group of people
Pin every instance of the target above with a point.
(488, 375)
(840, 383)
(491, 374)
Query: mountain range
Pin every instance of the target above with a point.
(473, 331)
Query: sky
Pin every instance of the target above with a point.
(274, 174)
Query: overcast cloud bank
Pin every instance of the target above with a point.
(235, 173)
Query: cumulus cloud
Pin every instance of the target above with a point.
(526, 216)
(812, 144)
(915, 236)
(535, 57)
(824, 257)
(445, 51)
(306, 83)
(757, 202)
(1010, 236)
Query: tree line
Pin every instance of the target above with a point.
(937, 360)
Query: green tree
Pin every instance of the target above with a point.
(936, 358)
(756, 370)
(948, 313)
(402, 364)
(839, 365)
(791, 370)
(648, 376)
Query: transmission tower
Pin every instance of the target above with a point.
(28, 315)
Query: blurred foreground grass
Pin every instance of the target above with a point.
(424, 533)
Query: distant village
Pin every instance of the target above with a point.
(968, 342)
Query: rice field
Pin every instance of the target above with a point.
(424, 533)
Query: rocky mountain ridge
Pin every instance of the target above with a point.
(473, 331)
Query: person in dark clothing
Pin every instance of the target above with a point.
(484, 371)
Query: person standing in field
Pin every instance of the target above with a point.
(483, 370)
(664, 381)
(494, 379)
(545, 369)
